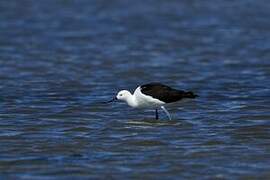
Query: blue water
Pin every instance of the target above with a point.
(60, 58)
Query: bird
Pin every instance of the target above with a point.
(153, 95)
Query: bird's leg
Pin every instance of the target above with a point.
(156, 114)
(167, 113)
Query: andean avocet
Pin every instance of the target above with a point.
(153, 95)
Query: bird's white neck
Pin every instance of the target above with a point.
(131, 100)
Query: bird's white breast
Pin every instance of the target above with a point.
(146, 101)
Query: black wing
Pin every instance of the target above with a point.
(162, 92)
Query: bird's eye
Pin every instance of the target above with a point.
(121, 94)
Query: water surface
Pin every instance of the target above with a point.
(58, 59)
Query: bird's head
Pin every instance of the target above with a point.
(123, 95)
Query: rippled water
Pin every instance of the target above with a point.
(59, 58)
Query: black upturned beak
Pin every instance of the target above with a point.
(112, 100)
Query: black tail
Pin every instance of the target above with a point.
(190, 94)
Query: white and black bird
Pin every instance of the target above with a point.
(153, 95)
